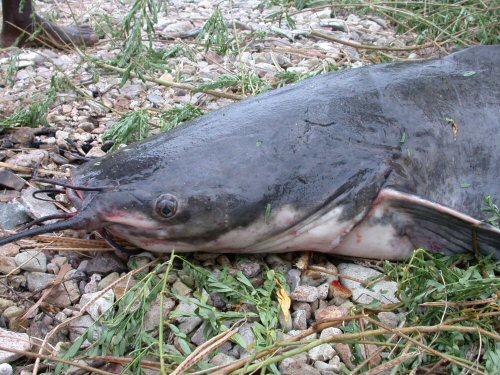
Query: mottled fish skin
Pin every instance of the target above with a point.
(327, 164)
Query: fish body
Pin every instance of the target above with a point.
(371, 162)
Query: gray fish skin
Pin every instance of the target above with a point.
(362, 162)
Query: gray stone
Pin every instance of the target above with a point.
(383, 291)
(13, 340)
(323, 352)
(10, 179)
(29, 159)
(181, 288)
(187, 323)
(323, 291)
(294, 366)
(303, 306)
(12, 311)
(249, 268)
(108, 280)
(38, 208)
(105, 263)
(12, 215)
(222, 359)
(8, 265)
(64, 295)
(331, 312)
(297, 332)
(179, 27)
(299, 320)
(35, 261)
(198, 337)
(305, 293)
(330, 331)
(38, 281)
(132, 90)
(326, 368)
(293, 278)
(152, 317)
(100, 303)
(388, 318)
(248, 336)
(79, 325)
(156, 97)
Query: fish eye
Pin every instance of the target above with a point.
(166, 206)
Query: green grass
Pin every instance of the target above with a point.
(132, 127)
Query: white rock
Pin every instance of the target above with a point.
(100, 305)
(13, 340)
(34, 261)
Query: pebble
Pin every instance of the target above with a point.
(29, 159)
(388, 318)
(100, 303)
(187, 323)
(330, 331)
(249, 268)
(180, 288)
(10, 179)
(326, 368)
(104, 263)
(221, 359)
(323, 291)
(383, 291)
(8, 265)
(305, 293)
(303, 306)
(36, 207)
(293, 366)
(108, 280)
(9, 250)
(330, 312)
(248, 336)
(323, 352)
(12, 215)
(34, 261)
(38, 281)
(293, 278)
(13, 340)
(299, 319)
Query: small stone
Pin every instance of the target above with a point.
(29, 159)
(388, 318)
(35, 261)
(305, 293)
(323, 352)
(11, 180)
(294, 366)
(105, 263)
(6, 369)
(181, 288)
(330, 331)
(187, 323)
(294, 333)
(100, 303)
(222, 359)
(12, 215)
(132, 90)
(64, 295)
(303, 306)
(95, 152)
(79, 325)
(248, 336)
(4, 303)
(198, 337)
(12, 312)
(323, 291)
(296, 69)
(8, 265)
(13, 340)
(293, 278)
(108, 280)
(36, 207)
(299, 320)
(331, 312)
(156, 97)
(326, 368)
(383, 291)
(249, 268)
(38, 281)
(179, 27)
